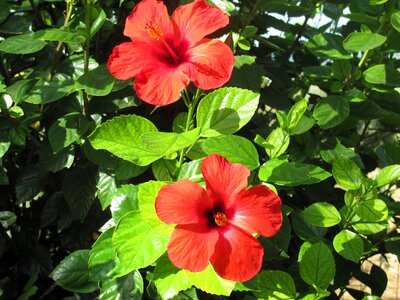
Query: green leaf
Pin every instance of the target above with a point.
(67, 130)
(225, 111)
(322, 214)
(29, 184)
(247, 74)
(372, 210)
(395, 20)
(137, 244)
(349, 245)
(276, 143)
(295, 114)
(79, 187)
(341, 69)
(54, 162)
(59, 35)
(328, 45)
(346, 173)
(49, 91)
(191, 170)
(106, 188)
(334, 149)
(129, 286)
(280, 171)
(103, 260)
(331, 111)
(275, 285)
(147, 195)
(7, 218)
(236, 149)
(124, 200)
(72, 274)
(368, 228)
(363, 41)
(22, 44)
(388, 175)
(164, 169)
(210, 282)
(317, 265)
(122, 137)
(168, 279)
(97, 82)
(382, 74)
(165, 143)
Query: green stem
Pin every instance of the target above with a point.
(86, 50)
(57, 53)
(189, 121)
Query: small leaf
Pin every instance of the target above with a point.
(103, 260)
(295, 114)
(122, 137)
(225, 111)
(280, 171)
(317, 265)
(79, 187)
(170, 280)
(362, 41)
(7, 218)
(29, 184)
(322, 214)
(106, 188)
(22, 44)
(346, 173)
(275, 285)
(67, 130)
(137, 244)
(382, 74)
(124, 200)
(395, 20)
(372, 210)
(388, 175)
(129, 286)
(276, 143)
(328, 45)
(147, 195)
(50, 91)
(236, 149)
(331, 111)
(349, 245)
(165, 143)
(97, 82)
(59, 35)
(72, 274)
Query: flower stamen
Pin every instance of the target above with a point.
(220, 219)
(153, 30)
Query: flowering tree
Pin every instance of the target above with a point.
(198, 149)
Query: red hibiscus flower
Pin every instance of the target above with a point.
(166, 54)
(216, 225)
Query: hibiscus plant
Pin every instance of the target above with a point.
(199, 149)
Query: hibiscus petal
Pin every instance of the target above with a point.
(160, 84)
(258, 210)
(191, 246)
(183, 202)
(145, 13)
(210, 64)
(198, 19)
(223, 179)
(238, 255)
(128, 59)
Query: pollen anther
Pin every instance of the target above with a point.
(220, 219)
(153, 30)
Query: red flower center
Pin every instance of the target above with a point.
(220, 218)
